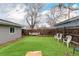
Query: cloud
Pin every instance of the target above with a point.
(17, 14)
(75, 6)
(45, 12)
(12, 12)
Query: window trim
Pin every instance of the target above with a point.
(12, 29)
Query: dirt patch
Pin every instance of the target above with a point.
(34, 53)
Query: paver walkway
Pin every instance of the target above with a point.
(34, 53)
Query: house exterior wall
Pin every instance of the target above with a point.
(69, 24)
(6, 36)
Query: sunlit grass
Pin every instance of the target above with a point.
(48, 45)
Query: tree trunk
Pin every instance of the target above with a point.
(31, 26)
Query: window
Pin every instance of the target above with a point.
(12, 30)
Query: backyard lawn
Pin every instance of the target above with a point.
(48, 45)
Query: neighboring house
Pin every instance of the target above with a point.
(72, 22)
(9, 31)
(71, 27)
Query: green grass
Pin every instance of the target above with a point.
(48, 45)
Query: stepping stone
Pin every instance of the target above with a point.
(34, 53)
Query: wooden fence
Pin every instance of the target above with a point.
(74, 32)
(41, 31)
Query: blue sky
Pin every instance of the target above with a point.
(9, 11)
(48, 6)
(8, 7)
(4, 6)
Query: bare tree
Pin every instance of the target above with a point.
(51, 17)
(54, 15)
(70, 8)
(33, 12)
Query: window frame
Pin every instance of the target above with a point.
(12, 29)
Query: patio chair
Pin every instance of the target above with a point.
(56, 36)
(75, 46)
(67, 40)
(75, 49)
(60, 37)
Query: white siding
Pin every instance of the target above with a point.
(6, 36)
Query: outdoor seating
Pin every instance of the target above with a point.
(75, 46)
(34, 33)
(60, 36)
(67, 40)
(75, 49)
(56, 36)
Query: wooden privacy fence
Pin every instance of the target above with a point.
(41, 31)
(74, 32)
